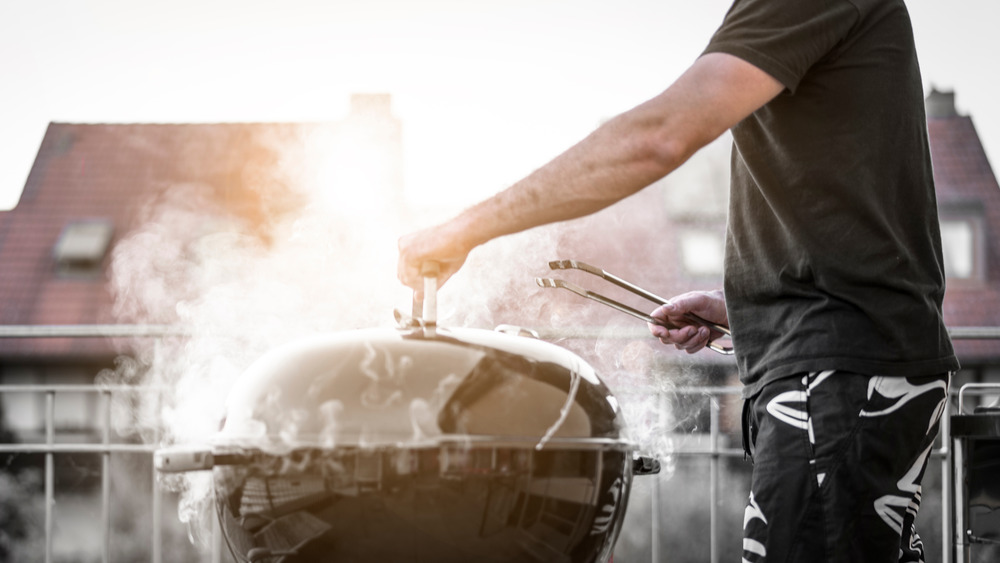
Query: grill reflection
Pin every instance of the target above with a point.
(450, 503)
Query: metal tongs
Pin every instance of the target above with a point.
(575, 265)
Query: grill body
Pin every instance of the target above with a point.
(422, 446)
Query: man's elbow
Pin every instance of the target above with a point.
(666, 152)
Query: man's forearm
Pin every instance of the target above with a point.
(629, 152)
(614, 162)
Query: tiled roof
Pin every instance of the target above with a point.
(964, 179)
(108, 172)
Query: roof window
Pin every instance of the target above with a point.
(963, 241)
(82, 246)
(703, 251)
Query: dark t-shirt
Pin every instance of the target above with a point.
(833, 255)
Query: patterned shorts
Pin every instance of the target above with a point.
(838, 459)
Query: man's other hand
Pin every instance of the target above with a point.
(689, 335)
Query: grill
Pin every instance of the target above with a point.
(419, 444)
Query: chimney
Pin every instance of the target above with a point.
(940, 104)
(371, 105)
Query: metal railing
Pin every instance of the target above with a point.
(105, 448)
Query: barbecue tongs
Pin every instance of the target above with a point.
(576, 265)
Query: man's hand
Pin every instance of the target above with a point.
(437, 244)
(690, 336)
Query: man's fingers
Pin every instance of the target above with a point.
(699, 342)
(688, 335)
(690, 339)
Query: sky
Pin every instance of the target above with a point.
(486, 90)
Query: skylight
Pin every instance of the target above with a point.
(82, 245)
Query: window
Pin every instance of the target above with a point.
(81, 247)
(963, 242)
(702, 252)
(958, 242)
(23, 413)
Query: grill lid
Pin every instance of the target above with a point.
(389, 387)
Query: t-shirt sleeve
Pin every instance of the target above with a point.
(784, 38)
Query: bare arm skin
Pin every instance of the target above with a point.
(617, 160)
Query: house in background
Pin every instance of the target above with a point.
(90, 188)
(92, 183)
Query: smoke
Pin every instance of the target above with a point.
(496, 285)
(237, 277)
(238, 285)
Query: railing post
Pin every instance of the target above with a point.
(216, 538)
(713, 515)
(946, 531)
(956, 539)
(654, 510)
(106, 477)
(157, 547)
(50, 474)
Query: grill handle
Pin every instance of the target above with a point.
(645, 465)
(430, 272)
(425, 303)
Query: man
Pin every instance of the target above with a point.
(833, 282)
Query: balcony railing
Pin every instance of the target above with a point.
(715, 452)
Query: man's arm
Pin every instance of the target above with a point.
(618, 159)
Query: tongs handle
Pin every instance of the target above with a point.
(576, 265)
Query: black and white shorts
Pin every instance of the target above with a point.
(838, 459)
